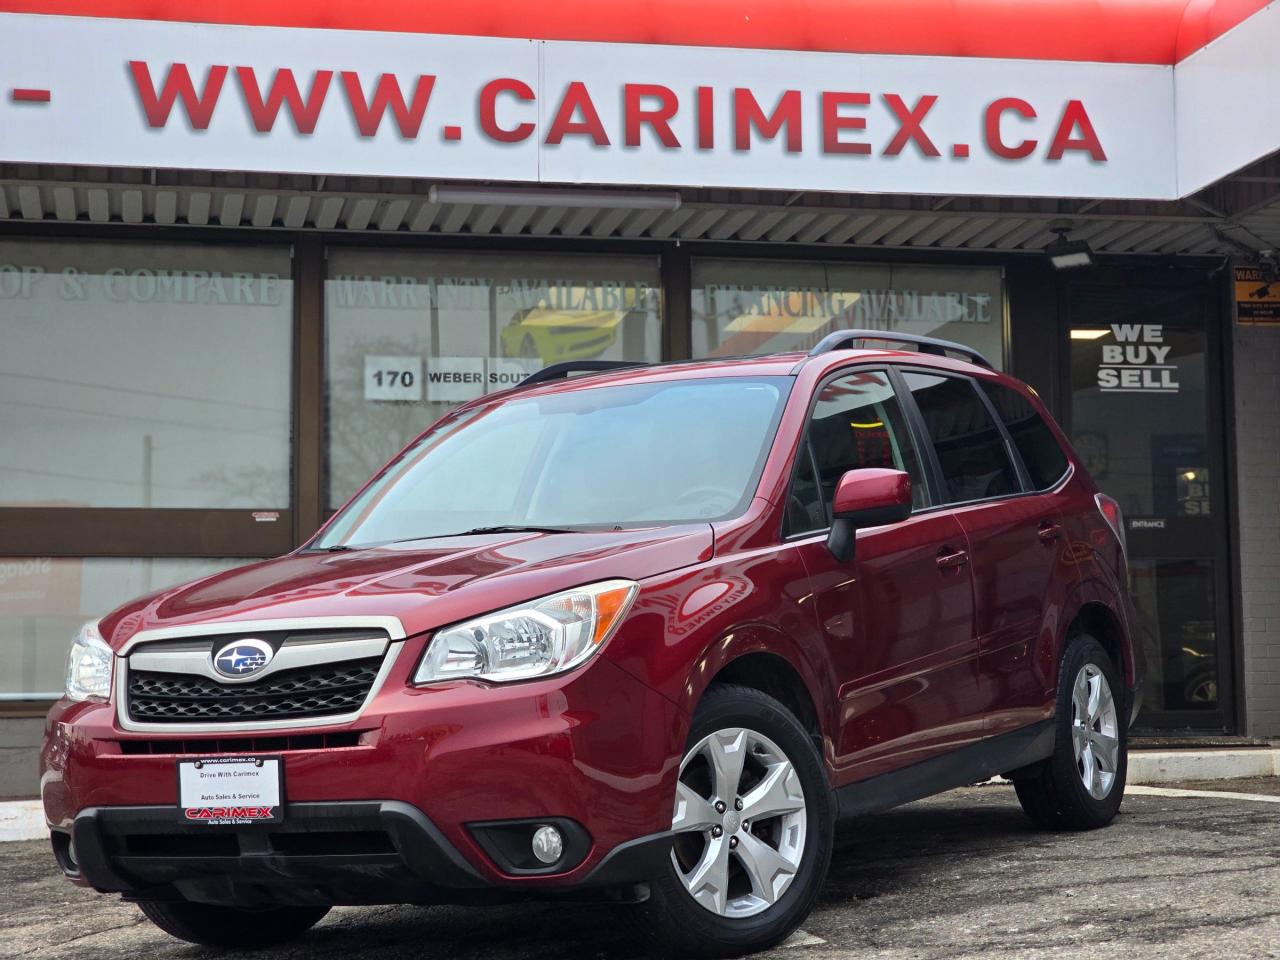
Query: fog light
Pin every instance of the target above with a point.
(548, 845)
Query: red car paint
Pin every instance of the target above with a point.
(904, 654)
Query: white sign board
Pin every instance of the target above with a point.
(506, 372)
(392, 378)
(455, 379)
(200, 96)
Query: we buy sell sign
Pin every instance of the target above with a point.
(179, 95)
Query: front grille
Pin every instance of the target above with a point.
(242, 745)
(317, 691)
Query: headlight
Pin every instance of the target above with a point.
(89, 666)
(535, 639)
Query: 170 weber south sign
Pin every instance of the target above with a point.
(152, 94)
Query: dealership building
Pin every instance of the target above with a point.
(243, 262)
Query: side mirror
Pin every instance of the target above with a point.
(870, 497)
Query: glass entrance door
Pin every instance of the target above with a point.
(1145, 419)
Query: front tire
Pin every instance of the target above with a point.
(231, 927)
(753, 821)
(1081, 785)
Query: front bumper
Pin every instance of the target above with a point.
(360, 852)
(385, 808)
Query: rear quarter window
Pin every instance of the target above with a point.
(1038, 447)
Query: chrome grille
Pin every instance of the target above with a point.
(322, 671)
(318, 691)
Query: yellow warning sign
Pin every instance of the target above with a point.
(1257, 297)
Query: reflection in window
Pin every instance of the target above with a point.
(412, 334)
(770, 306)
(44, 601)
(971, 452)
(1039, 448)
(628, 454)
(144, 375)
(1174, 599)
(856, 423)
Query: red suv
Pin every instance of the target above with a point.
(641, 635)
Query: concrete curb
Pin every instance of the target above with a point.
(22, 820)
(1176, 766)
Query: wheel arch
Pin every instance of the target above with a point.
(1100, 621)
(773, 674)
(765, 659)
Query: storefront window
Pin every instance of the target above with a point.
(144, 375)
(44, 601)
(1175, 599)
(413, 334)
(771, 306)
(1141, 425)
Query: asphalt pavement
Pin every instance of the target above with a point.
(961, 875)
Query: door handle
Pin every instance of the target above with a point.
(1049, 531)
(949, 559)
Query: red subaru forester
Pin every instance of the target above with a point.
(642, 636)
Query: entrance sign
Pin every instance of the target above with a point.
(291, 100)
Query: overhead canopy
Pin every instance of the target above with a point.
(1106, 31)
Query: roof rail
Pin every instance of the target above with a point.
(561, 371)
(847, 339)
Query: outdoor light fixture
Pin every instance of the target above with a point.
(1067, 254)
(539, 197)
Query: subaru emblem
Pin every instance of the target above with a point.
(242, 658)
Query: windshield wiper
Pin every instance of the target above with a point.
(502, 528)
(513, 528)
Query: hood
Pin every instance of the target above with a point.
(426, 583)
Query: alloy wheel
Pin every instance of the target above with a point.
(740, 822)
(1095, 733)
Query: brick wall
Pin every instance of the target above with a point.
(1257, 389)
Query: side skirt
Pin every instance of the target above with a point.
(978, 761)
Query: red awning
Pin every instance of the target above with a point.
(1109, 31)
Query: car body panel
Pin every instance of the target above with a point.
(899, 631)
(425, 584)
(1020, 582)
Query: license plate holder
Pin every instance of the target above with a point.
(231, 791)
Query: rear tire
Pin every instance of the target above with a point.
(1081, 786)
(737, 884)
(215, 926)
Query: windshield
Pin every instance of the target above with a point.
(608, 456)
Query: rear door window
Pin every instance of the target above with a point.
(857, 422)
(1039, 448)
(969, 445)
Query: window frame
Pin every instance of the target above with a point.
(183, 532)
(918, 423)
(1020, 462)
(804, 448)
